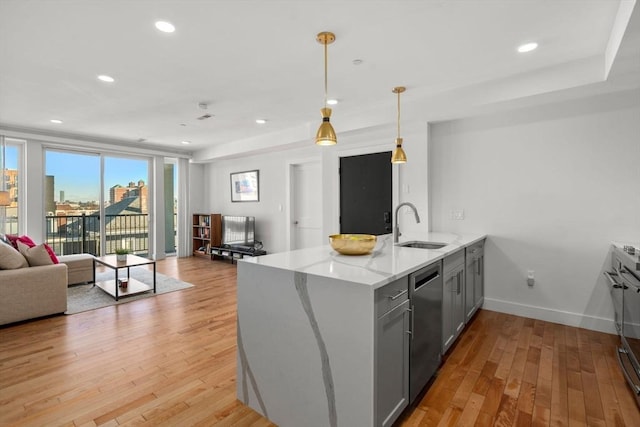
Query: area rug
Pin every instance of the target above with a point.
(88, 297)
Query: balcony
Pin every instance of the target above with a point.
(75, 234)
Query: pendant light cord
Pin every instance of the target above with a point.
(325, 72)
(398, 114)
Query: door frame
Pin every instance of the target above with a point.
(290, 164)
(348, 152)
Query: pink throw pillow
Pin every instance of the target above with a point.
(52, 254)
(13, 239)
(30, 243)
(26, 240)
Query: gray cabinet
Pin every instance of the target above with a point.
(474, 284)
(453, 299)
(392, 351)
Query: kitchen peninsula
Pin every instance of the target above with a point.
(309, 335)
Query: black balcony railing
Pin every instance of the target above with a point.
(75, 234)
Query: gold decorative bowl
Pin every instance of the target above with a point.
(353, 244)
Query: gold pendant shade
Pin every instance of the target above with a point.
(326, 135)
(398, 155)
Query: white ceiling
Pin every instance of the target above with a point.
(259, 59)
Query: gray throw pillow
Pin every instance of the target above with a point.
(10, 259)
(36, 255)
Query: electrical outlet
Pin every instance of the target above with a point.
(457, 214)
(530, 278)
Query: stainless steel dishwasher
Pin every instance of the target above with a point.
(425, 293)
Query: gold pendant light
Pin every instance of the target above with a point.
(326, 135)
(398, 155)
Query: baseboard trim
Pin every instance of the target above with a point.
(593, 323)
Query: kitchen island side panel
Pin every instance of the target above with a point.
(305, 347)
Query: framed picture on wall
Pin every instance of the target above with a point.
(245, 186)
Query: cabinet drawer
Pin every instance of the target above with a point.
(476, 249)
(391, 295)
(454, 260)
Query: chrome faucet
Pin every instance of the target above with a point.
(396, 229)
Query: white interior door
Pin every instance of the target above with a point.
(306, 203)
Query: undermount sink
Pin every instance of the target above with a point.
(422, 245)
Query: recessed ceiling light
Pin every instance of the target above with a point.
(105, 78)
(527, 47)
(332, 101)
(186, 142)
(261, 121)
(56, 121)
(165, 27)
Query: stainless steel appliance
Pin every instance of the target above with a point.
(425, 294)
(625, 289)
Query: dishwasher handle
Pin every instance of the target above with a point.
(425, 277)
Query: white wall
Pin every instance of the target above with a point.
(198, 196)
(271, 223)
(270, 211)
(552, 186)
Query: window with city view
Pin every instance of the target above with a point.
(81, 218)
(10, 161)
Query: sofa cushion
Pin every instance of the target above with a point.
(10, 259)
(79, 267)
(36, 255)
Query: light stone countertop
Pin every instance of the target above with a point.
(631, 259)
(385, 264)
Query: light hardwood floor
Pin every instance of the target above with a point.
(170, 360)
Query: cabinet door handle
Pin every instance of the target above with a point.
(611, 280)
(411, 313)
(458, 282)
(398, 295)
